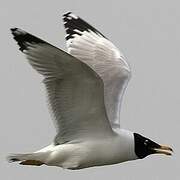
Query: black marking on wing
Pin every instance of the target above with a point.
(71, 23)
(23, 38)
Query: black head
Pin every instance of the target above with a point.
(145, 147)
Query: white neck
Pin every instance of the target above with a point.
(125, 143)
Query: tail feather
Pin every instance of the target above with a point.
(25, 159)
(18, 157)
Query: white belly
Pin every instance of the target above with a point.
(89, 153)
(67, 156)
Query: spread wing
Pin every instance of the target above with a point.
(91, 47)
(75, 91)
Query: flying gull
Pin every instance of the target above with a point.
(85, 87)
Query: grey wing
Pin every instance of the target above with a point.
(91, 47)
(75, 91)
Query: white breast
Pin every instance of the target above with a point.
(94, 152)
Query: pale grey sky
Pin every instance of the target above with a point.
(147, 32)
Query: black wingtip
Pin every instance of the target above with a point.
(17, 31)
(13, 29)
(23, 38)
(73, 22)
(67, 14)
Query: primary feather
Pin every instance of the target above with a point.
(91, 47)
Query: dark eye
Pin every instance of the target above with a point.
(146, 142)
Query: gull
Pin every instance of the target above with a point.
(84, 87)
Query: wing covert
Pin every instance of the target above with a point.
(75, 91)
